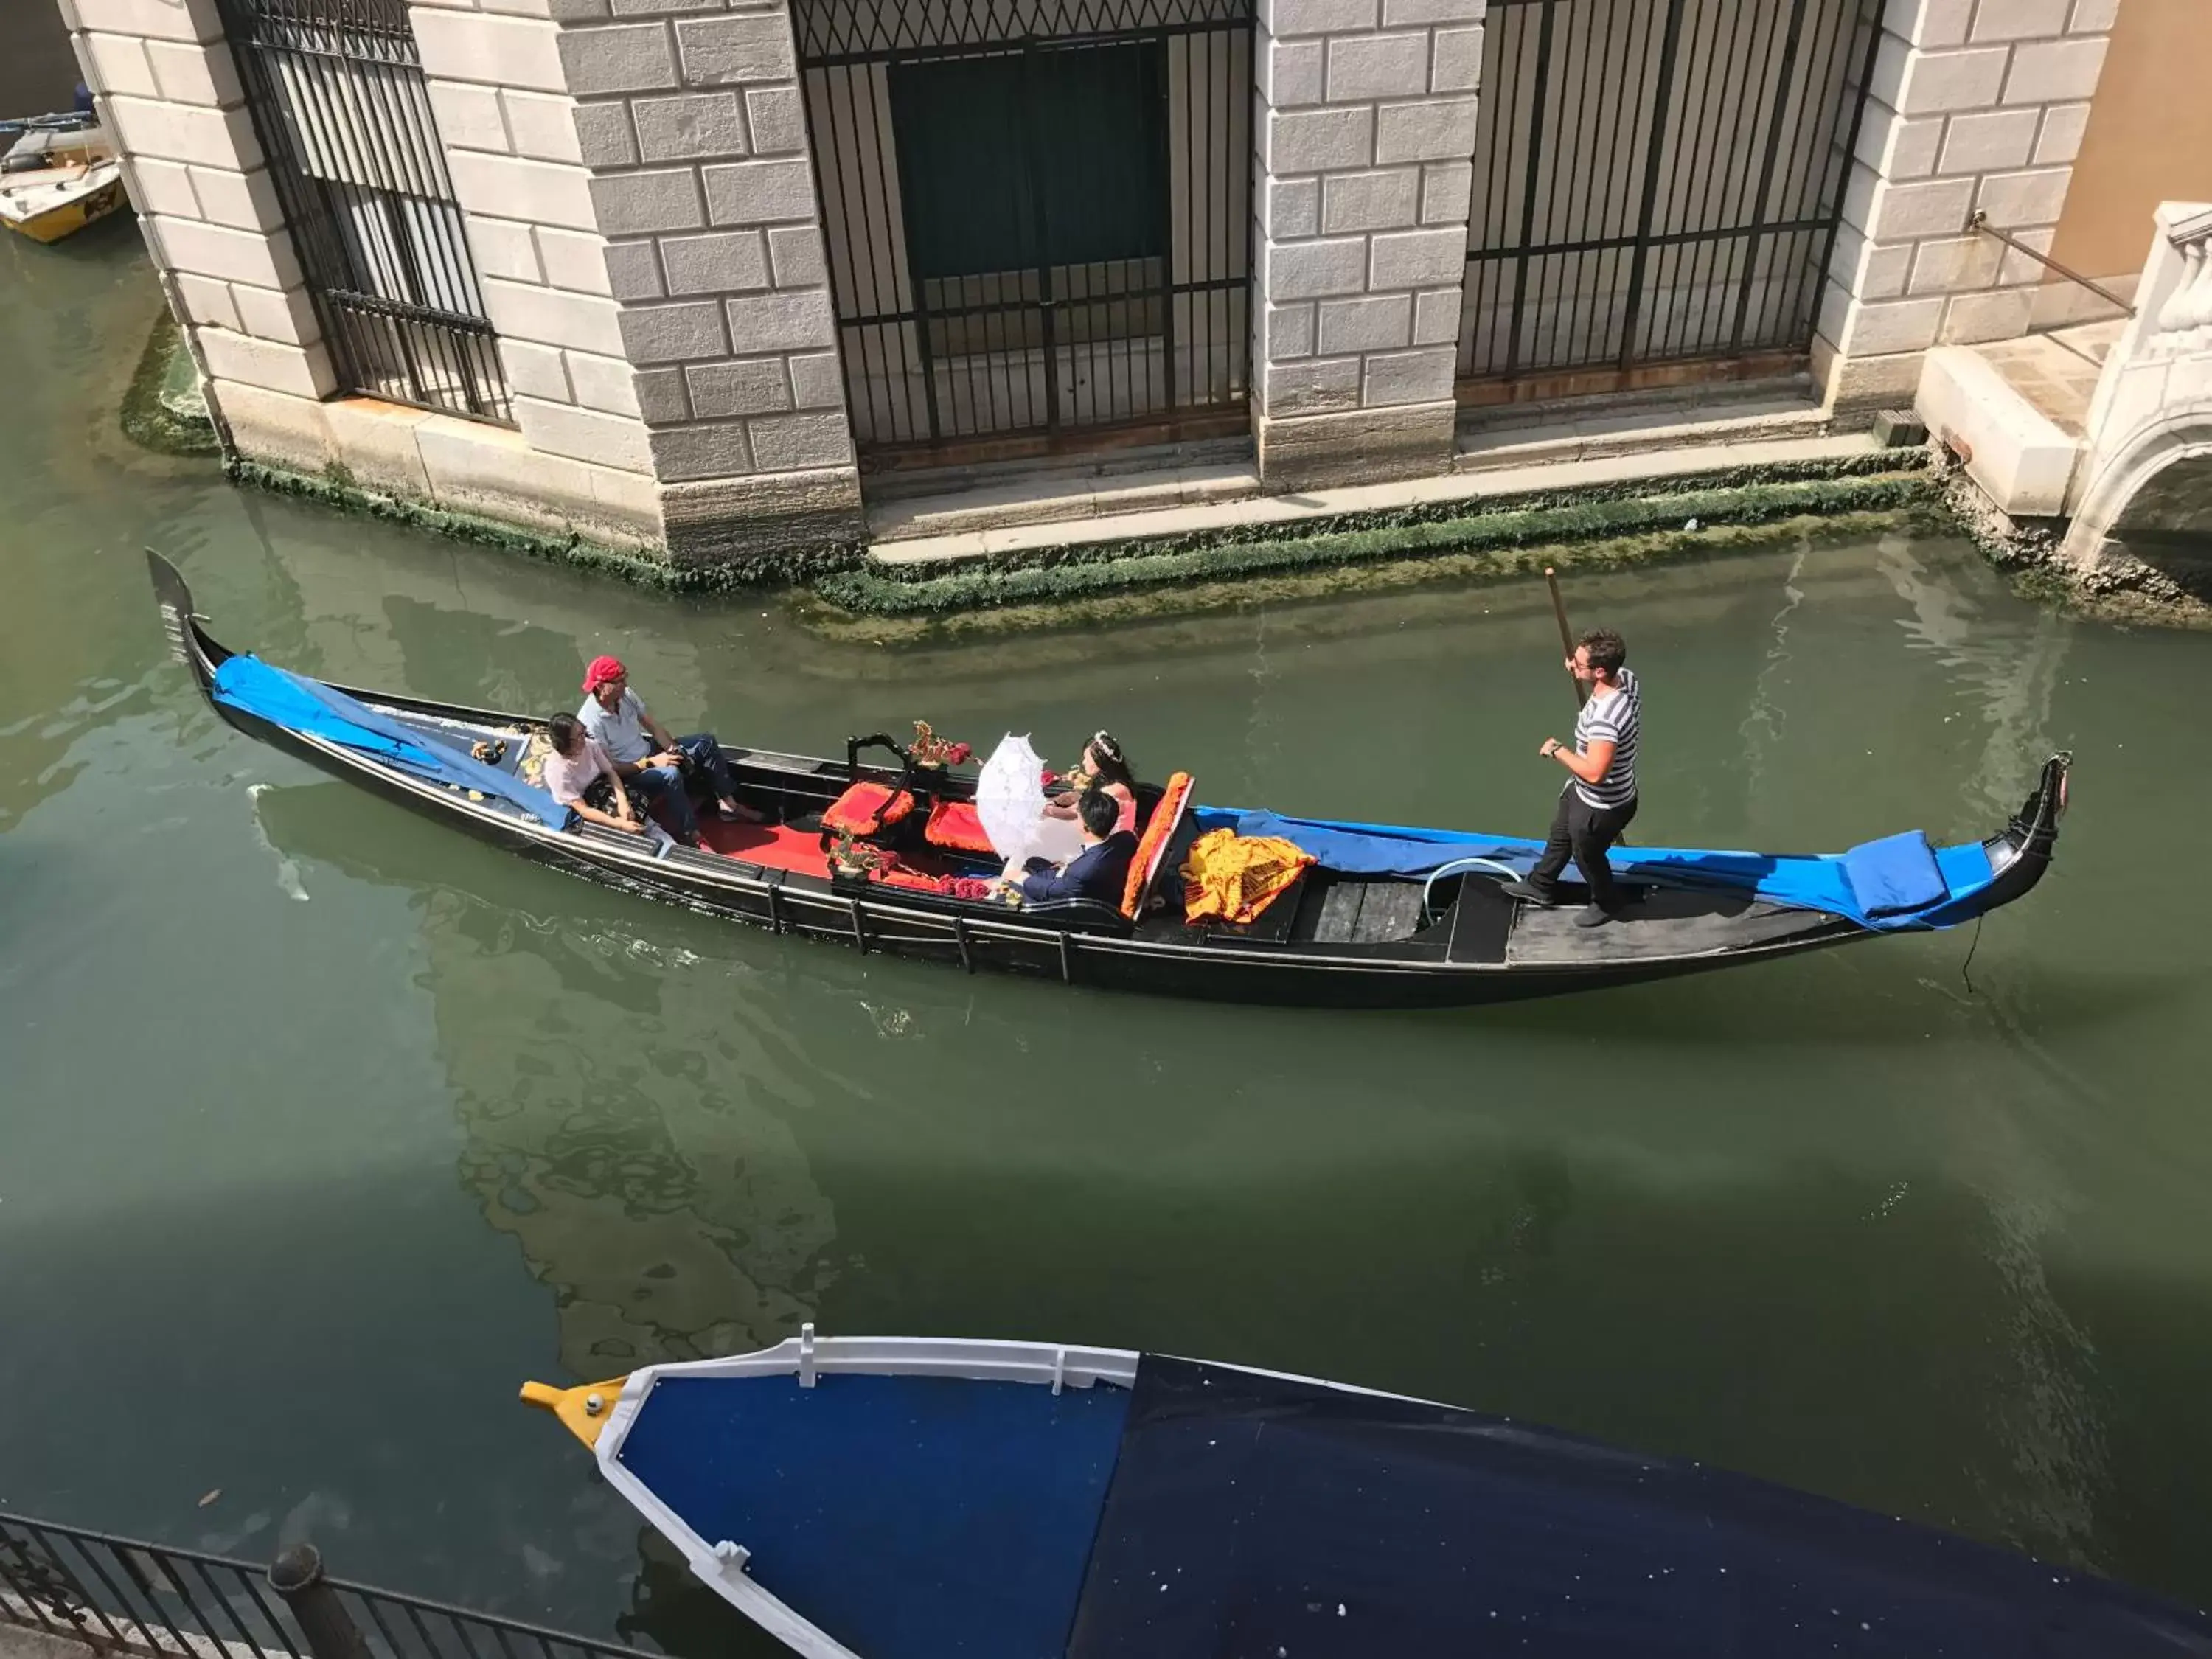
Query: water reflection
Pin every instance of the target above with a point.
(628, 1129)
(653, 1104)
(670, 1609)
(2008, 661)
(1847, 1222)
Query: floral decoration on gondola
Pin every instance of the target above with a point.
(854, 859)
(934, 752)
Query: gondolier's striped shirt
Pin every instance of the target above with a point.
(1611, 716)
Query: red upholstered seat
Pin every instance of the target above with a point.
(867, 808)
(954, 823)
(1159, 829)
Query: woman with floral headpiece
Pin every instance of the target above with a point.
(1106, 765)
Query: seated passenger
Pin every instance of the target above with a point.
(1105, 765)
(656, 769)
(575, 766)
(1100, 870)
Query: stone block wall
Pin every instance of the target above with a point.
(1973, 105)
(167, 89)
(1363, 132)
(690, 124)
(639, 201)
(499, 96)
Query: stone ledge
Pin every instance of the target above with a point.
(1602, 433)
(1314, 506)
(1057, 498)
(1600, 525)
(442, 463)
(2021, 458)
(1408, 441)
(766, 525)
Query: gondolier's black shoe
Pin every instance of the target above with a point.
(1593, 916)
(1529, 892)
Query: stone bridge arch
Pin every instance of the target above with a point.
(2144, 481)
(2153, 499)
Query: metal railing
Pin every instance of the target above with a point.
(1981, 221)
(123, 1595)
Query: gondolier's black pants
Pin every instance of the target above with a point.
(1585, 832)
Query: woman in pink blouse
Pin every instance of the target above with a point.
(1108, 767)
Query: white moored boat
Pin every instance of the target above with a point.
(58, 175)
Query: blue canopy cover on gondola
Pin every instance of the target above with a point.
(905, 1498)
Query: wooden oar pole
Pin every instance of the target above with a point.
(1566, 634)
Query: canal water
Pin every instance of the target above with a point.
(321, 1128)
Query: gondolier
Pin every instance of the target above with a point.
(1599, 801)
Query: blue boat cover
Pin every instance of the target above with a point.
(1210, 1511)
(1908, 884)
(300, 704)
(1255, 1514)
(911, 1517)
(1895, 874)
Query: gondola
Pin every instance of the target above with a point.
(1386, 916)
(885, 1498)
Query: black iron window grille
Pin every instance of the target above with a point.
(1038, 214)
(1658, 187)
(339, 104)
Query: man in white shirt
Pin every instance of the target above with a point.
(647, 758)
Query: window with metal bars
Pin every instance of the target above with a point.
(1037, 214)
(1658, 185)
(338, 99)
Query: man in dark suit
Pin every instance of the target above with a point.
(1100, 870)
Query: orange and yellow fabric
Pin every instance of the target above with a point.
(1232, 878)
(1153, 842)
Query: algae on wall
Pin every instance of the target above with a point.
(840, 588)
(148, 418)
(1502, 531)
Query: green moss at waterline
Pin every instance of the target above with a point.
(145, 420)
(1500, 540)
(336, 488)
(1371, 579)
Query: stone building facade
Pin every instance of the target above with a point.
(1976, 107)
(697, 268)
(1363, 165)
(641, 204)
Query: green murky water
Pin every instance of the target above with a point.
(321, 1128)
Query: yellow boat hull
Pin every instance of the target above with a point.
(67, 218)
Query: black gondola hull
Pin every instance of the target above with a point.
(1104, 953)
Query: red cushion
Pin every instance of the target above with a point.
(1158, 830)
(955, 823)
(866, 808)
